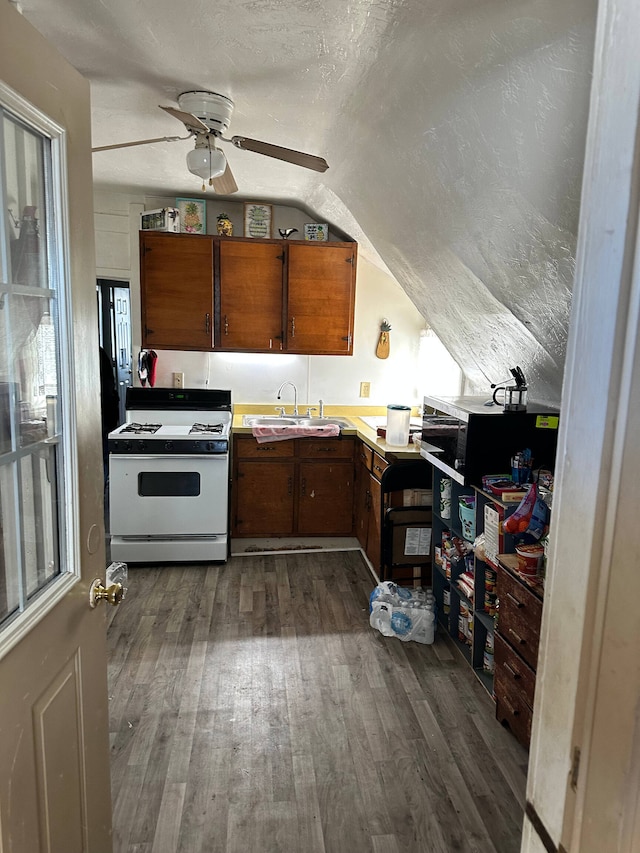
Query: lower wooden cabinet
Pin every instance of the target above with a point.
(516, 651)
(514, 684)
(301, 487)
(368, 502)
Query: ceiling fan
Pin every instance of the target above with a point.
(206, 115)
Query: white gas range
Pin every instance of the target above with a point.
(169, 476)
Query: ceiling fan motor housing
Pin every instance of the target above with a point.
(212, 109)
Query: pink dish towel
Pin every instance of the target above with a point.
(263, 434)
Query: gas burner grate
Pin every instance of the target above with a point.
(206, 428)
(140, 429)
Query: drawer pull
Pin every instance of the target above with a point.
(517, 637)
(327, 449)
(512, 671)
(515, 600)
(513, 711)
(265, 447)
(226, 325)
(207, 323)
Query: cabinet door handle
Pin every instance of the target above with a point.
(226, 325)
(513, 711)
(517, 637)
(293, 327)
(207, 323)
(303, 487)
(512, 671)
(517, 603)
(290, 486)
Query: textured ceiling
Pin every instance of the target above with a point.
(454, 130)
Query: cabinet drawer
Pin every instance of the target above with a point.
(325, 448)
(378, 465)
(512, 709)
(364, 455)
(520, 615)
(248, 448)
(512, 671)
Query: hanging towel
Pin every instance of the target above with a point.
(152, 358)
(263, 434)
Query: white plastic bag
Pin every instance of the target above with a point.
(403, 612)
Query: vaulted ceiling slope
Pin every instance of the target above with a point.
(454, 129)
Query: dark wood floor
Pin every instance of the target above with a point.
(254, 709)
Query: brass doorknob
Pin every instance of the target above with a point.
(99, 592)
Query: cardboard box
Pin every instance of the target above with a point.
(411, 537)
(417, 497)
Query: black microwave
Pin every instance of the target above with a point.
(466, 438)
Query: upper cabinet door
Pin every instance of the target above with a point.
(176, 280)
(321, 298)
(251, 287)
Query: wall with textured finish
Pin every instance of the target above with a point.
(463, 160)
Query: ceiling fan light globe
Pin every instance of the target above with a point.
(206, 163)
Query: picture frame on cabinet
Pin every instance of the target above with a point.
(316, 232)
(193, 215)
(257, 219)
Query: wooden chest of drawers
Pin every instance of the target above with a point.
(516, 653)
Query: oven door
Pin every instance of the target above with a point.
(168, 496)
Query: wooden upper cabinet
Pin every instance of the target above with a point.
(235, 293)
(176, 274)
(321, 298)
(251, 277)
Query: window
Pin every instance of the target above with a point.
(34, 526)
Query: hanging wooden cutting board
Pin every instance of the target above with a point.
(382, 350)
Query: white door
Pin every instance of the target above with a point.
(54, 776)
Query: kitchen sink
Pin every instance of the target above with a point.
(300, 420)
(259, 420)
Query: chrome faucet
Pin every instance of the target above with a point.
(321, 414)
(295, 395)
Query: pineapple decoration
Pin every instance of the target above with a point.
(192, 221)
(224, 225)
(382, 350)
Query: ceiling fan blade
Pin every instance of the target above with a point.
(188, 120)
(298, 158)
(226, 183)
(139, 142)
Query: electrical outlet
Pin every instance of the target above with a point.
(178, 380)
(365, 389)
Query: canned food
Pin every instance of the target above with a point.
(490, 603)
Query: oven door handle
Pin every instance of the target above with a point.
(135, 457)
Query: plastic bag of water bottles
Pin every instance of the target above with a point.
(403, 612)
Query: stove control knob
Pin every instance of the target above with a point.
(210, 445)
(168, 445)
(128, 446)
(141, 446)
